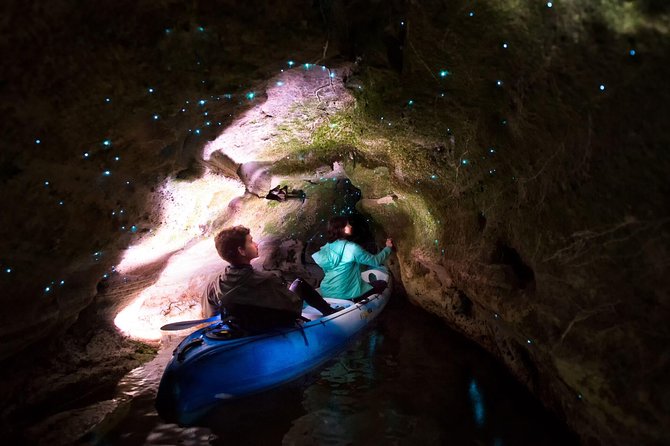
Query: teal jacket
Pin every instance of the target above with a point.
(341, 261)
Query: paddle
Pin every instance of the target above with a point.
(187, 324)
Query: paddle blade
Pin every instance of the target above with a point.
(188, 324)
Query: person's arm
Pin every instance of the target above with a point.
(290, 299)
(365, 258)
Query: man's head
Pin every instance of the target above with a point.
(236, 246)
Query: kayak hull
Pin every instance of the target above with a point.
(204, 371)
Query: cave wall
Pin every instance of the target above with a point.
(526, 200)
(548, 239)
(100, 106)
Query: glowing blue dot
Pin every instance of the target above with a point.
(549, 4)
(433, 177)
(156, 117)
(205, 114)
(332, 75)
(61, 203)
(602, 87)
(116, 158)
(201, 29)
(496, 315)
(279, 83)
(410, 102)
(108, 100)
(444, 73)
(529, 341)
(37, 141)
(402, 23)
(47, 289)
(46, 183)
(504, 45)
(107, 143)
(290, 63)
(86, 154)
(151, 90)
(499, 83)
(307, 66)
(492, 150)
(197, 131)
(208, 123)
(471, 14)
(168, 30)
(127, 182)
(579, 395)
(202, 102)
(632, 52)
(465, 162)
(8, 270)
(62, 282)
(250, 95)
(104, 276)
(133, 228)
(107, 173)
(183, 110)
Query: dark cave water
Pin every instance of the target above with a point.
(406, 380)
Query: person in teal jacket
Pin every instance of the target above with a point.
(341, 261)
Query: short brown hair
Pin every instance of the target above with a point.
(228, 240)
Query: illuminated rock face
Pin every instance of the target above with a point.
(517, 158)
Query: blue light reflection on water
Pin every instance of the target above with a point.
(477, 403)
(406, 380)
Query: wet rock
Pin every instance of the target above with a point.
(256, 177)
(72, 426)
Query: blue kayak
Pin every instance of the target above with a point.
(207, 367)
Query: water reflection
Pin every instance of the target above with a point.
(408, 380)
(477, 403)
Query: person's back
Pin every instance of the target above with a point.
(253, 300)
(256, 300)
(341, 261)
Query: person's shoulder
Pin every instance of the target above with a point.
(352, 246)
(339, 243)
(216, 277)
(264, 275)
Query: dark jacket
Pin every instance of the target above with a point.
(257, 300)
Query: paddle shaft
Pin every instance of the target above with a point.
(188, 324)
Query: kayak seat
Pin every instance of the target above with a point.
(223, 331)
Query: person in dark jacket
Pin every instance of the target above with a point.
(253, 300)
